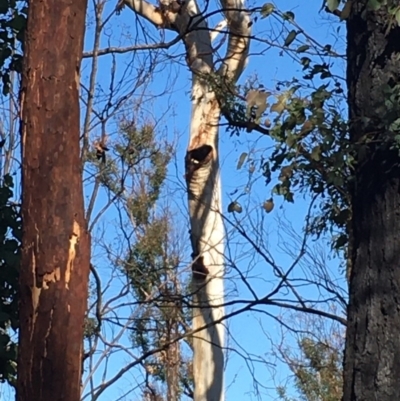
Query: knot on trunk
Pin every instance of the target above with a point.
(199, 270)
(197, 158)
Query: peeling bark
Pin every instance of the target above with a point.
(207, 237)
(56, 244)
(205, 207)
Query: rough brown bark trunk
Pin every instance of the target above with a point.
(372, 355)
(56, 244)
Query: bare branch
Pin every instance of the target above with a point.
(128, 49)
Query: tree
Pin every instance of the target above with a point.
(111, 176)
(202, 169)
(147, 262)
(56, 245)
(371, 367)
(357, 164)
(318, 374)
(316, 361)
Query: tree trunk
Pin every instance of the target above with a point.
(56, 243)
(203, 172)
(207, 236)
(372, 355)
(173, 360)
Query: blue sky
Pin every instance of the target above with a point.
(166, 99)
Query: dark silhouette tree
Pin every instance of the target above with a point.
(372, 363)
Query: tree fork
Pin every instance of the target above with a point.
(56, 243)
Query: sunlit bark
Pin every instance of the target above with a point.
(203, 171)
(55, 242)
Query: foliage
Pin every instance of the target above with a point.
(10, 240)
(312, 152)
(152, 269)
(392, 6)
(137, 157)
(13, 16)
(317, 372)
(134, 172)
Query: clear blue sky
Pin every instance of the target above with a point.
(251, 333)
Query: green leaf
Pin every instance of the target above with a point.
(4, 317)
(305, 61)
(4, 6)
(332, 5)
(278, 107)
(288, 16)
(316, 153)
(268, 205)
(235, 207)
(290, 38)
(242, 159)
(282, 100)
(341, 241)
(18, 23)
(346, 10)
(302, 49)
(374, 5)
(397, 16)
(8, 181)
(291, 140)
(266, 10)
(257, 102)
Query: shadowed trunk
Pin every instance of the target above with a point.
(173, 362)
(372, 355)
(56, 244)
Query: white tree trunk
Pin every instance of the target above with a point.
(203, 172)
(207, 237)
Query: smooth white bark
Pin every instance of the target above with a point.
(146, 10)
(239, 39)
(207, 236)
(203, 173)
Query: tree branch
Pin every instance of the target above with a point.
(128, 49)
(218, 29)
(239, 39)
(148, 11)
